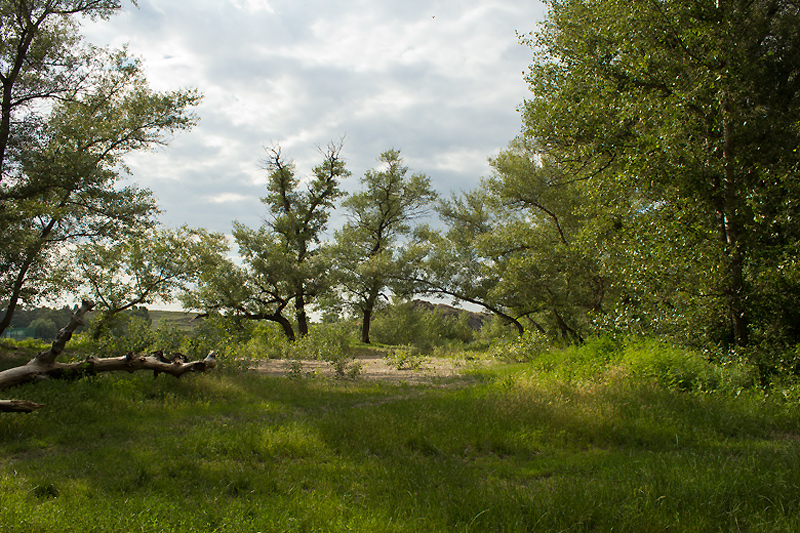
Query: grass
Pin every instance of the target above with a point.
(596, 439)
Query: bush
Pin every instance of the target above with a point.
(121, 334)
(413, 323)
(404, 357)
(220, 334)
(266, 341)
(329, 343)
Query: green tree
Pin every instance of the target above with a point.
(377, 217)
(282, 265)
(515, 247)
(70, 113)
(45, 328)
(680, 118)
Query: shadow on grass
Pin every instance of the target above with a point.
(233, 452)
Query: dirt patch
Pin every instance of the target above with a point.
(372, 367)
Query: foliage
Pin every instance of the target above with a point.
(143, 267)
(404, 357)
(70, 113)
(45, 328)
(124, 333)
(515, 247)
(679, 121)
(282, 263)
(219, 333)
(366, 256)
(329, 343)
(411, 323)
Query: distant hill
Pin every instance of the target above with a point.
(475, 321)
(183, 320)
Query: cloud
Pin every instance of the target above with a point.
(440, 80)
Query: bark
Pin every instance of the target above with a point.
(44, 365)
(366, 319)
(18, 406)
(302, 319)
(732, 235)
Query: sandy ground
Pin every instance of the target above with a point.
(372, 367)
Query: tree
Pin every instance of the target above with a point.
(70, 113)
(680, 118)
(365, 254)
(44, 328)
(514, 246)
(282, 262)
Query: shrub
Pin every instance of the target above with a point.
(329, 343)
(404, 357)
(121, 334)
(218, 333)
(421, 325)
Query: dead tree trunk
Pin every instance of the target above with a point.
(44, 365)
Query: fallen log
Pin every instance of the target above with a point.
(44, 364)
(18, 406)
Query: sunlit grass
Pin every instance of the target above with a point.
(591, 439)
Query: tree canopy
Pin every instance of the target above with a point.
(680, 119)
(70, 113)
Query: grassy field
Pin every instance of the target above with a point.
(183, 321)
(584, 440)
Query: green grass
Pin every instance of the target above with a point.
(596, 439)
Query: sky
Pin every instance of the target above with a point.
(439, 80)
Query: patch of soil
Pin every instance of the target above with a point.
(372, 367)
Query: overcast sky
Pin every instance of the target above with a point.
(439, 80)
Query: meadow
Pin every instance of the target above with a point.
(602, 437)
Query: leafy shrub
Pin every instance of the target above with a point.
(412, 323)
(686, 369)
(531, 345)
(329, 343)
(121, 334)
(266, 342)
(168, 338)
(218, 333)
(404, 357)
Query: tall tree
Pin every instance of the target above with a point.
(282, 265)
(70, 113)
(680, 117)
(377, 217)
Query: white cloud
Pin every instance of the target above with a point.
(438, 80)
(253, 6)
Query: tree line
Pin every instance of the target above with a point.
(652, 189)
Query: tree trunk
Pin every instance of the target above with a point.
(366, 321)
(734, 291)
(286, 325)
(302, 319)
(44, 365)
